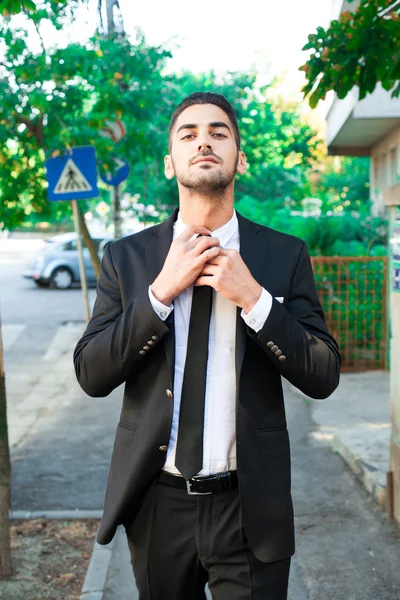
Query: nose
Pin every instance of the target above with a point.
(204, 145)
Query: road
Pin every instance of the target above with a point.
(346, 549)
(32, 318)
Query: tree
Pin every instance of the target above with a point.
(12, 7)
(361, 48)
(5, 476)
(59, 98)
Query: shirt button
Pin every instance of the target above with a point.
(163, 448)
(163, 313)
(169, 393)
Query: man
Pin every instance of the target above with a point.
(200, 316)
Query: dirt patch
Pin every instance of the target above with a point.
(49, 559)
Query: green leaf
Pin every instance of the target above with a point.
(11, 7)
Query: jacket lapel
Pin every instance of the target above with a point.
(254, 252)
(156, 253)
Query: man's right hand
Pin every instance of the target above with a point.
(184, 263)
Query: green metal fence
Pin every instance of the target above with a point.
(353, 292)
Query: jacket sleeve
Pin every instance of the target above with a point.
(115, 340)
(310, 357)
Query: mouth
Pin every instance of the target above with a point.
(204, 159)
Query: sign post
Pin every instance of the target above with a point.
(82, 271)
(73, 177)
(114, 179)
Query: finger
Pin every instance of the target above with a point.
(208, 255)
(206, 280)
(209, 269)
(215, 260)
(191, 230)
(228, 252)
(203, 243)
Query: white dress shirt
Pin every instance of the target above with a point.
(219, 442)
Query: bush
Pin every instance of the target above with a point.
(350, 234)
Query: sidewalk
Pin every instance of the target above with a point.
(356, 421)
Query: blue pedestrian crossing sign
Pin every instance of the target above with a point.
(73, 176)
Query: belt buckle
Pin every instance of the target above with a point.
(189, 491)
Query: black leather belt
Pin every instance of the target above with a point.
(201, 485)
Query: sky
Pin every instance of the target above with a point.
(231, 34)
(224, 35)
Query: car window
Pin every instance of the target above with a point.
(72, 245)
(97, 242)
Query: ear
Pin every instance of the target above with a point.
(169, 170)
(242, 164)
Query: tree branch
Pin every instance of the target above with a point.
(388, 9)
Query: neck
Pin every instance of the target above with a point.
(209, 211)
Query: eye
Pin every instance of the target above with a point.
(189, 135)
(220, 135)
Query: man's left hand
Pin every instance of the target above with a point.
(229, 276)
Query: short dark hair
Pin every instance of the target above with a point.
(206, 98)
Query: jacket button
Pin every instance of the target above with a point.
(283, 357)
(155, 338)
(142, 352)
(146, 347)
(270, 344)
(150, 343)
(278, 353)
(274, 348)
(163, 448)
(169, 393)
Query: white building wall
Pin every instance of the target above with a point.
(385, 169)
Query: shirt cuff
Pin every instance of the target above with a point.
(259, 313)
(160, 308)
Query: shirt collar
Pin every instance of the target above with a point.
(224, 233)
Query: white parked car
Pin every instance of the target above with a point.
(56, 264)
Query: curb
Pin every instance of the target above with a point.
(372, 478)
(56, 514)
(97, 573)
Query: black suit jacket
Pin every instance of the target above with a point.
(116, 348)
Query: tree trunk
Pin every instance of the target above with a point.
(89, 244)
(110, 16)
(5, 477)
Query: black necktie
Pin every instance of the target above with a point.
(189, 448)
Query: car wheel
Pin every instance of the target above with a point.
(42, 284)
(61, 278)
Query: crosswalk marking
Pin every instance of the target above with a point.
(10, 334)
(64, 339)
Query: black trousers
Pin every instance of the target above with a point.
(179, 542)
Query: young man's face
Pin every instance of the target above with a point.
(204, 156)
